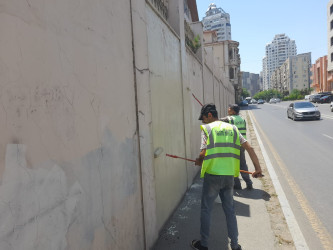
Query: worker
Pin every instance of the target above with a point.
(234, 118)
(219, 161)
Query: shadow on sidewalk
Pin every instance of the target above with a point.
(254, 194)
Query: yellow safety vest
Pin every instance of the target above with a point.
(239, 122)
(223, 149)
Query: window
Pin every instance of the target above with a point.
(331, 57)
(332, 41)
(331, 24)
(216, 26)
(231, 73)
(331, 9)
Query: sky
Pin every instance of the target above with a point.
(255, 23)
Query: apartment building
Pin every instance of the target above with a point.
(277, 52)
(217, 19)
(330, 43)
(320, 76)
(223, 57)
(294, 73)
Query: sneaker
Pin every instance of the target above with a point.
(196, 244)
(249, 186)
(238, 248)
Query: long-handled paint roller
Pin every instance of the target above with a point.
(175, 156)
(197, 99)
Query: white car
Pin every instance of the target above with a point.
(307, 98)
(272, 100)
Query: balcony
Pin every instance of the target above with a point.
(234, 62)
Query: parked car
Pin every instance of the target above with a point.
(331, 106)
(261, 101)
(315, 98)
(307, 98)
(325, 99)
(253, 101)
(303, 110)
(244, 103)
(277, 100)
(272, 100)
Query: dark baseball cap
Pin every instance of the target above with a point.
(210, 107)
(234, 107)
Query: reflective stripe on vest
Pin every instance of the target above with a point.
(223, 149)
(239, 122)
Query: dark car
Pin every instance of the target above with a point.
(331, 106)
(303, 110)
(260, 101)
(244, 103)
(325, 99)
(315, 98)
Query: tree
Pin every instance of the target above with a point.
(296, 94)
(245, 93)
(268, 94)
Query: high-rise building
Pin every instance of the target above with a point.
(217, 19)
(277, 52)
(251, 82)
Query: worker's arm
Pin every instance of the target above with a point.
(258, 172)
(199, 160)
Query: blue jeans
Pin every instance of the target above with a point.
(222, 185)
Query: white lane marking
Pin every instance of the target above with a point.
(328, 136)
(295, 231)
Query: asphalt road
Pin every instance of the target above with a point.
(302, 156)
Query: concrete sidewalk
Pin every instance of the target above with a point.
(254, 222)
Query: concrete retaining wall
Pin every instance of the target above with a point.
(89, 91)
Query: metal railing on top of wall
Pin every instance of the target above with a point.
(161, 7)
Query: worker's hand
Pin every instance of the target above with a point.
(198, 162)
(257, 174)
